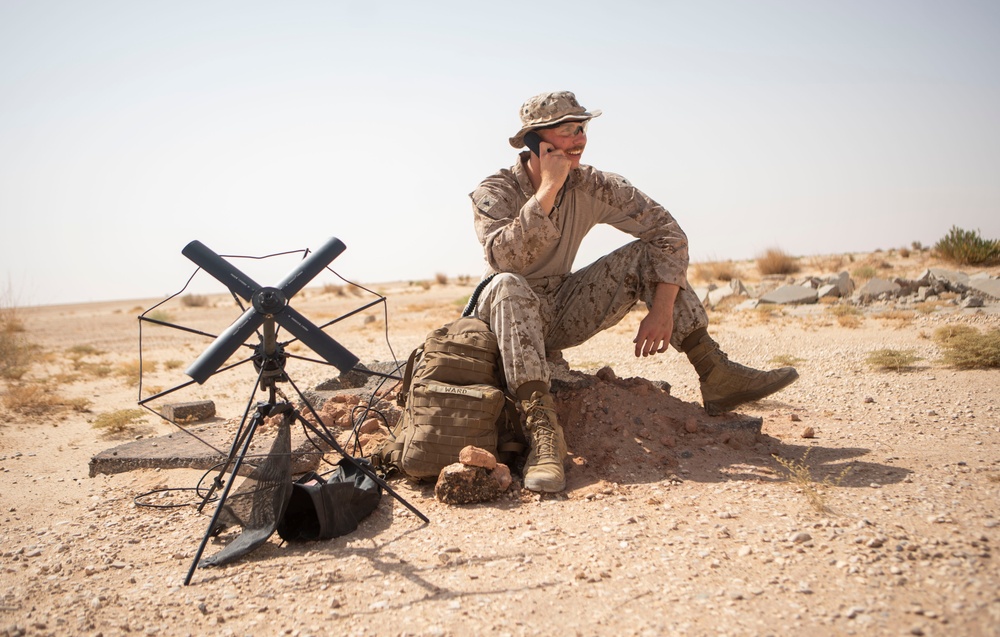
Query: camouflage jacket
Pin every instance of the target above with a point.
(518, 237)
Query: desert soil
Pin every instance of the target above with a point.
(670, 523)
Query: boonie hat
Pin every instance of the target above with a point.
(549, 109)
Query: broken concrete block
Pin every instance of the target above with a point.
(989, 287)
(844, 283)
(791, 294)
(828, 291)
(190, 412)
(877, 287)
(949, 276)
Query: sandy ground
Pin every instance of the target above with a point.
(668, 526)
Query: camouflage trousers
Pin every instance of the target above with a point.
(533, 316)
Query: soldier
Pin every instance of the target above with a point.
(531, 219)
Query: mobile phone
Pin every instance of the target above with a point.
(532, 141)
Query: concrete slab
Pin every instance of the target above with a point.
(181, 450)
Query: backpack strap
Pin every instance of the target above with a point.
(408, 377)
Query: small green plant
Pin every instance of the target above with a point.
(776, 261)
(801, 476)
(966, 347)
(892, 359)
(864, 272)
(119, 421)
(966, 247)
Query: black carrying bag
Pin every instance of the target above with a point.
(320, 509)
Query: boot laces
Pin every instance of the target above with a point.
(542, 431)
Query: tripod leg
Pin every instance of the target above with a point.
(257, 417)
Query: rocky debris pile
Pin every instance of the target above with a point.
(476, 477)
(966, 291)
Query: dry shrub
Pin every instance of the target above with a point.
(847, 315)
(441, 278)
(715, 271)
(892, 359)
(787, 360)
(31, 399)
(828, 263)
(765, 312)
(119, 421)
(160, 315)
(131, 370)
(727, 303)
(336, 290)
(967, 348)
(801, 476)
(194, 300)
(902, 317)
(776, 261)
(16, 353)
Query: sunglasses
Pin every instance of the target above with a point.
(569, 129)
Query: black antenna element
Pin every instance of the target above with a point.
(267, 302)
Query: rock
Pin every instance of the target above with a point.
(501, 473)
(475, 457)
(808, 432)
(791, 295)
(799, 537)
(459, 484)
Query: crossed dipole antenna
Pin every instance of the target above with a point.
(269, 307)
(265, 303)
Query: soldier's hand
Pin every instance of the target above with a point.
(555, 165)
(654, 334)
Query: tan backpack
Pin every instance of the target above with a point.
(452, 396)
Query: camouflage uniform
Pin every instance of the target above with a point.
(534, 304)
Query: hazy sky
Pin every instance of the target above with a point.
(129, 128)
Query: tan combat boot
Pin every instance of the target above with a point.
(543, 470)
(725, 384)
